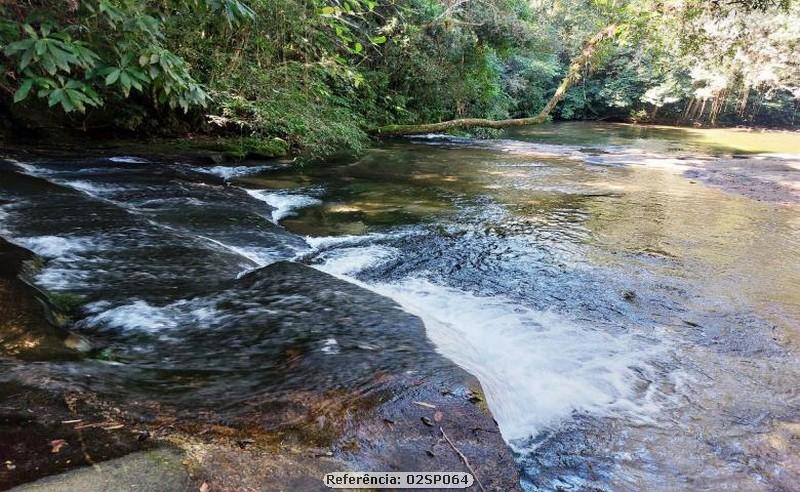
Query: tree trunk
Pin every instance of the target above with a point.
(573, 75)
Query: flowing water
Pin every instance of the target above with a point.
(633, 328)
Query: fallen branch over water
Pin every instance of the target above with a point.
(456, 124)
(572, 76)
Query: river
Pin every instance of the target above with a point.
(628, 297)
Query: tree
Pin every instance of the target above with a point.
(573, 74)
(96, 49)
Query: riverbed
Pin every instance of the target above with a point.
(628, 297)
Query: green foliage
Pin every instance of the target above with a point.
(316, 75)
(45, 58)
(308, 117)
(443, 63)
(96, 54)
(293, 74)
(239, 147)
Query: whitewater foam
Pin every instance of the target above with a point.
(29, 168)
(61, 277)
(4, 221)
(330, 346)
(62, 271)
(228, 172)
(128, 159)
(58, 246)
(258, 256)
(283, 204)
(92, 189)
(140, 315)
(537, 368)
(341, 262)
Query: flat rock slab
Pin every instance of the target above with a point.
(296, 374)
(158, 470)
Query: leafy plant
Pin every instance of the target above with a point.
(46, 58)
(73, 65)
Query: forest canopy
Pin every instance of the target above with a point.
(316, 75)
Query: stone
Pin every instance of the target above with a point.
(157, 470)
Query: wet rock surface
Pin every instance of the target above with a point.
(358, 389)
(30, 326)
(45, 431)
(275, 377)
(36, 437)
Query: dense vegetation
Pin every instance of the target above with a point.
(316, 75)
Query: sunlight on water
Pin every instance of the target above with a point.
(228, 172)
(661, 138)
